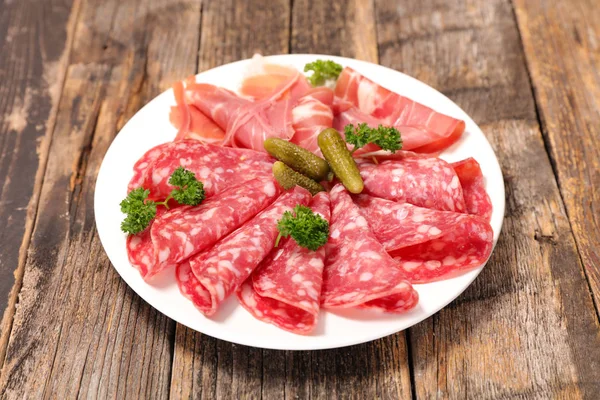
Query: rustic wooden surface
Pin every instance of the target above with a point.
(74, 71)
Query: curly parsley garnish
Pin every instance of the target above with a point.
(386, 137)
(308, 229)
(140, 211)
(322, 71)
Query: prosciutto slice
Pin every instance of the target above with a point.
(182, 232)
(423, 129)
(285, 289)
(191, 122)
(221, 270)
(421, 181)
(311, 115)
(264, 80)
(358, 271)
(246, 124)
(428, 244)
(217, 167)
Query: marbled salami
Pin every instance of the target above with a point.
(428, 244)
(182, 232)
(473, 184)
(285, 289)
(424, 182)
(358, 271)
(217, 167)
(222, 269)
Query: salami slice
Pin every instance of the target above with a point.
(424, 182)
(428, 244)
(358, 271)
(140, 249)
(222, 269)
(285, 289)
(217, 167)
(185, 231)
(142, 165)
(473, 184)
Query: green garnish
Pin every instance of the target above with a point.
(140, 211)
(308, 229)
(323, 70)
(386, 137)
(189, 190)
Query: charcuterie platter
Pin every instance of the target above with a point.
(299, 202)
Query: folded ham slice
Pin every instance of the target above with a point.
(423, 129)
(246, 124)
(285, 289)
(358, 271)
(310, 116)
(428, 244)
(221, 270)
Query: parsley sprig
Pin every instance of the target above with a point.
(308, 229)
(322, 71)
(386, 137)
(140, 211)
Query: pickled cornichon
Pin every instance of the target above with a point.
(288, 178)
(340, 160)
(298, 158)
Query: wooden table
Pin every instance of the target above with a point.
(72, 72)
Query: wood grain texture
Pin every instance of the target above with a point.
(526, 328)
(34, 43)
(561, 40)
(79, 330)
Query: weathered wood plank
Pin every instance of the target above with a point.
(526, 328)
(561, 48)
(35, 44)
(341, 28)
(79, 330)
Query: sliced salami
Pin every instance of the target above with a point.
(285, 289)
(358, 271)
(222, 269)
(185, 231)
(141, 166)
(217, 167)
(140, 249)
(423, 182)
(473, 184)
(428, 244)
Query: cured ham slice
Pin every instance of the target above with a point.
(423, 129)
(182, 232)
(358, 271)
(273, 81)
(285, 289)
(191, 122)
(311, 115)
(428, 244)
(217, 167)
(246, 124)
(421, 181)
(477, 200)
(222, 269)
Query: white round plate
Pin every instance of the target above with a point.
(150, 127)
